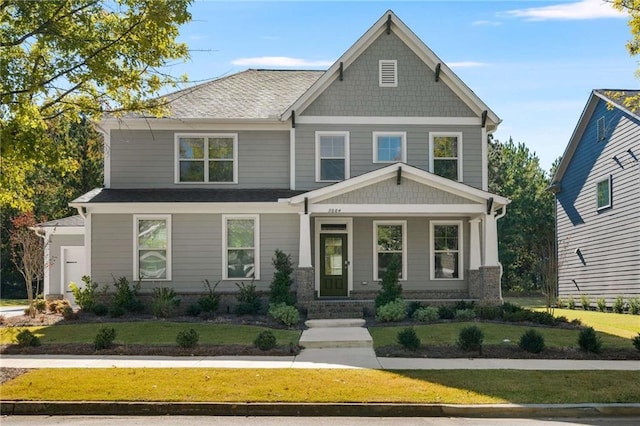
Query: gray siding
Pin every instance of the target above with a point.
(609, 240)
(145, 159)
(55, 259)
(361, 150)
(389, 192)
(196, 249)
(417, 94)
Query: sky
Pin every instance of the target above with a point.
(534, 63)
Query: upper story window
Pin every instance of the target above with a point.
(240, 247)
(603, 193)
(600, 125)
(389, 147)
(388, 73)
(446, 250)
(445, 155)
(211, 158)
(390, 244)
(152, 254)
(332, 156)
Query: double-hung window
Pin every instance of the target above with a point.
(240, 246)
(210, 158)
(389, 147)
(445, 155)
(446, 250)
(152, 247)
(332, 156)
(389, 245)
(603, 193)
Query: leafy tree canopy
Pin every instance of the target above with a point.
(633, 45)
(75, 59)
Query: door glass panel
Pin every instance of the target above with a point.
(333, 256)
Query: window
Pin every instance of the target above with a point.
(388, 73)
(389, 147)
(600, 128)
(240, 240)
(389, 244)
(332, 156)
(446, 250)
(207, 158)
(152, 247)
(603, 193)
(446, 155)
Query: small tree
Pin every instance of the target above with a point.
(27, 253)
(391, 287)
(280, 288)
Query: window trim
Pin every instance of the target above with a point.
(136, 247)
(403, 141)
(256, 245)
(402, 223)
(600, 129)
(432, 269)
(206, 136)
(432, 136)
(608, 179)
(386, 62)
(347, 160)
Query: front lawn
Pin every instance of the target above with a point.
(13, 302)
(623, 325)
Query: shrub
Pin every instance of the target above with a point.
(68, 314)
(462, 305)
(85, 297)
(100, 309)
(40, 305)
(618, 305)
(446, 312)
(286, 314)
(116, 311)
(187, 339)
(428, 314)
(27, 338)
(194, 310)
(104, 339)
(532, 341)
(602, 304)
(209, 302)
(470, 339)
(465, 314)
(280, 287)
(248, 299)
(391, 289)
(634, 305)
(488, 312)
(560, 304)
(57, 306)
(408, 339)
(392, 311)
(126, 296)
(589, 340)
(265, 341)
(571, 304)
(164, 302)
(636, 342)
(585, 302)
(412, 307)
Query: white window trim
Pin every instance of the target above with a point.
(377, 223)
(136, 257)
(600, 129)
(607, 179)
(256, 245)
(403, 137)
(383, 62)
(432, 136)
(176, 156)
(346, 158)
(432, 266)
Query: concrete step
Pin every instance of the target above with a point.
(337, 322)
(336, 337)
(334, 309)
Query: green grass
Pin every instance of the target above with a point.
(447, 333)
(527, 302)
(623, 325)
(150, 333)
(338, 386)
(14, 302)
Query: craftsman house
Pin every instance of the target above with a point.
(382, 156)
(597, 187)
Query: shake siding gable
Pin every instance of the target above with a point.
(609, 239)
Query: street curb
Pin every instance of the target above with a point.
(106, 408)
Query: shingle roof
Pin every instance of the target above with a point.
(251, 94)
(187, 195)
(76, 220)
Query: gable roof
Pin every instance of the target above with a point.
(613, 97)
(447, 76)
(75, 220)
(184, 195)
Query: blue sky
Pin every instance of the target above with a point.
(533, 62)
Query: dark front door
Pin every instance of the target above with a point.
(333, 265)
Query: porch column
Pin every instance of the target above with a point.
(304, 250)
(490, 241)
(474, 245)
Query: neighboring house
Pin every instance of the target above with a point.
(597, 187)
(383, 155)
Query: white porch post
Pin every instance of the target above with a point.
(474, 245)
(304, 250)
(490, 241)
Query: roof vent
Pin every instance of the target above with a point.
(388, 73)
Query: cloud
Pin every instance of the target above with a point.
(483, 23)
(584, 9)
(466, 64)
(280, 61)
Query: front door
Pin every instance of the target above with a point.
(72, 269)
(333, 265)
